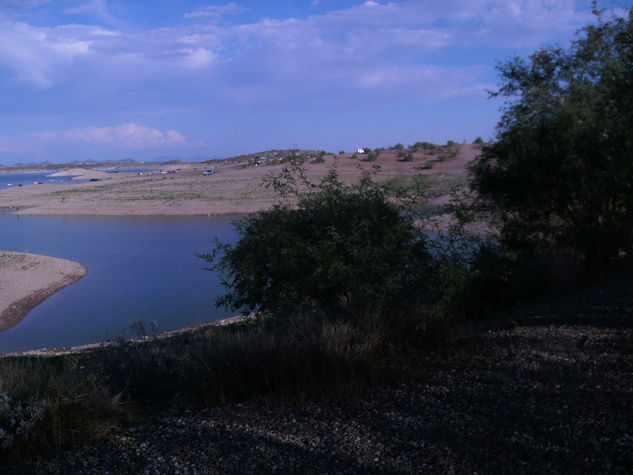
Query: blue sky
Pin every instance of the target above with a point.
(112, 79)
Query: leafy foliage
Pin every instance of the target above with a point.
(560, 174)
(343, 250)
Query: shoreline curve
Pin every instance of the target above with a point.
(103, 344)
(26, 280)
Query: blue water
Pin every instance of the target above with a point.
(139, 269)
(14, 180)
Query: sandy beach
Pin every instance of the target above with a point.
(27, 279)
(81, 173)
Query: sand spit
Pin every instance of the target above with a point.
(27, 279)
(81, 173)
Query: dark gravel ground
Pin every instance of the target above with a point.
(551, 393)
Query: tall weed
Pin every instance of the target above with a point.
(277, 358)
(49, 402)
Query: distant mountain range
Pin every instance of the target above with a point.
(74, 163)
(89, 162)
(196, 158)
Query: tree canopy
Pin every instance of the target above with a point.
(560, 173)
(342, 250)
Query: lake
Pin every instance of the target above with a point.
(14, 180)
(139, 269)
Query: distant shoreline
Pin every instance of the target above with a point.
(235, 187)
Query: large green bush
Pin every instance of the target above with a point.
(560, 174)
(346, 251)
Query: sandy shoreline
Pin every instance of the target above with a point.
(81, 173)
(235, 188)
(28, 279)
(90, 346)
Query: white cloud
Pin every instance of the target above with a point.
(523, 23)
(371, 46)
(198, 58)
(37, 55)
(128, 135)
(80, 9)
(96, 8)
(426, 83)
(216, 11)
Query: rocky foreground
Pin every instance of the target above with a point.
(551, 393)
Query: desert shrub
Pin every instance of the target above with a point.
(560, 173)
(17, 419)
(262, 358)
(371, 157)
(478, 275)
(407, 185)
(425, 145)
(49, 402)
(348, 251)
(478, 141)
(498, 278)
